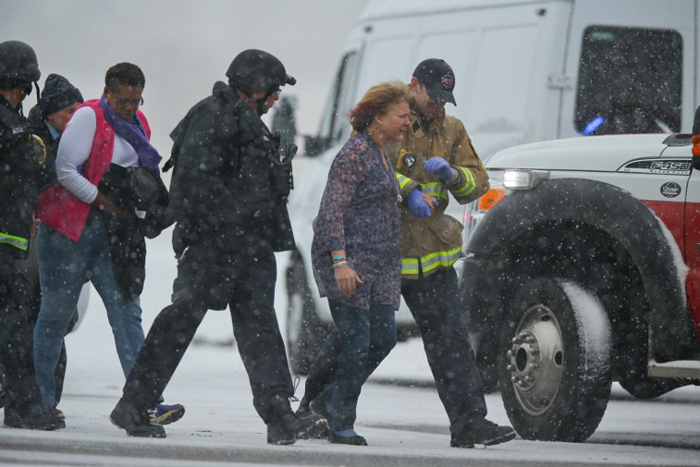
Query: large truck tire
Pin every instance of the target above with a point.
(556, 379)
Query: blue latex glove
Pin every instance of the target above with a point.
(439, 167)
(416, 205)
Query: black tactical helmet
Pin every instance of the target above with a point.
(18, 62)
(258, 70)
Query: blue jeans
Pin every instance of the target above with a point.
(366, 338)
(436, 305)
(64, 266)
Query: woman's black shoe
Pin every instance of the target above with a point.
(355, 440)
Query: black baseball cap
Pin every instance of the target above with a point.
(438, 78)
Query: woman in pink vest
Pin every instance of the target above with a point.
(109, 196)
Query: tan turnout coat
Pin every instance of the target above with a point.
(435, 242)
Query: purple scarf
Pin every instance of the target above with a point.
(134, 134)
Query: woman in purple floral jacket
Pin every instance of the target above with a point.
(356, 250)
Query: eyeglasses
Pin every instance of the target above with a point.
(124, 102)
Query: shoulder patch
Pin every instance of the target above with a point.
(416, 126)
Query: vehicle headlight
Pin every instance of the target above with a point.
(503, 181)
(523, 179)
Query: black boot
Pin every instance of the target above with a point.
(284, 427)
(304, 413)
(318, 406)
(38, 420)
(482, 432)
(135, 421)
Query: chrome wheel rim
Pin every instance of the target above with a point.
(536, 359)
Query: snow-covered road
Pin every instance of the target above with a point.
(404, 425)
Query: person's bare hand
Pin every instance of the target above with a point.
(35, 226)
(105, 204)
(431, 201)
(347, 280)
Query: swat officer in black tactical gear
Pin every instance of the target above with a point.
(228, 196)
(21, 159)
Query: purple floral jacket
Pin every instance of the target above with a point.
(360, 213)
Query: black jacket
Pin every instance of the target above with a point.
(229, 188)
(20, 163)
(127, 246)
(37, 125)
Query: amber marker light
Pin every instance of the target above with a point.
(696, 144)
(491, 198)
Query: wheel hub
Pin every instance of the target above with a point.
(535, 360)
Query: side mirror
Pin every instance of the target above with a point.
(696, 162)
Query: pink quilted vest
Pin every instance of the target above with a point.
(57, 206)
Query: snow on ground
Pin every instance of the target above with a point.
(404, 425)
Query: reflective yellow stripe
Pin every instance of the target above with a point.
(468, 186)
(440, 258)
(403, 181)
(17, 242)
(437, 189)
(410, 266)
(43, 147)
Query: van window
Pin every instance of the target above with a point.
(334, 121)
(629, 81)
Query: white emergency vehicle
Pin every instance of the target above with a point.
(585, 269)
(526, 70)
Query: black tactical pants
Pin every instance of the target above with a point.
(437, 308)
(208, 279)
(22, 399)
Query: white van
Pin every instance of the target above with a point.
(525, 71)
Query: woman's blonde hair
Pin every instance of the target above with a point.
(376, 101)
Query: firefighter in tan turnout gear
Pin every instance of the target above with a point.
(437, 158)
